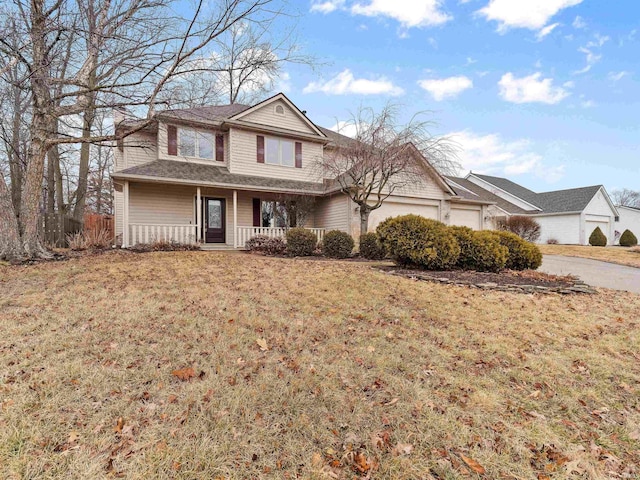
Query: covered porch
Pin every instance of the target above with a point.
(216, 218)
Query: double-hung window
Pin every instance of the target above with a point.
(279, 152)
(194, 143)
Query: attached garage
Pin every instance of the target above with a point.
(466, 217)
(394, 209)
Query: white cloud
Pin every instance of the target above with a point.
(531, 14)
(410, 13)
(327, 6)
(579, 23)
(446, 87)
(345, 83)
(546, 31)
(617, 76)
(591, 57)
(530, 89)
(345, 128)
(491, 154)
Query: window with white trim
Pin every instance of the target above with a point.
(195, 143)
(279, 152)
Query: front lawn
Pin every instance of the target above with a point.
(620, 255)
(213, 365)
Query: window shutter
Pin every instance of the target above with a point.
(220, 148)
(172, 134)
(257, 213)
(298, 154)
(260, 149)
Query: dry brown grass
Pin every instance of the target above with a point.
(620, 255)
(309, 370)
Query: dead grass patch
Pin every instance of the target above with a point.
(206, 365)
(619, 255)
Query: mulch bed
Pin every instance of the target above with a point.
(527, 280)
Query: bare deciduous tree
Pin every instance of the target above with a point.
(626, 197)
(124, 57)
(382, 157)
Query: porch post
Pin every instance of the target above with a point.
(235, 219)
(125, 215)
(199, 215)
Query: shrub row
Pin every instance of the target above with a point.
(303, 243)
(412, 240)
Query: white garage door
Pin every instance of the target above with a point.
(591, 226)
(393, 209)
(466, 218)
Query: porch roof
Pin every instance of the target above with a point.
(169, 171)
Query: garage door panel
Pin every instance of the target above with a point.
(465, 218)
(394, 209)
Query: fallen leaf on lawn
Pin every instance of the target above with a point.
(73, 437)
(391, 402)
(371, 349)
(184, 374)
(362, 464)
(119, 425)
(316, 460)
(262, 343)
(402, 449)
(475, 466)
(172, 399)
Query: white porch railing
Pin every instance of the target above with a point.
(245, 233)
(147, 233)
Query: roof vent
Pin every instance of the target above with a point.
(279, 109)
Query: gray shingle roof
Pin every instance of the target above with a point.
(511, 187)
(557, 201)
(199, 173)
(206, 113)
(479, 193)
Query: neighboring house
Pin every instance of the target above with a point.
(568, 216)
(216, 174)
(628, 219)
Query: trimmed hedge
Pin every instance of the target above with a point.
(370, 247)
(479, 251)
(628, 239)
(301, 242)
(597, 238)
(266, 245)
(522, 254)
(337, 244)
(417, 241)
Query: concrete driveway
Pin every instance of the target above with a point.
(594, 272)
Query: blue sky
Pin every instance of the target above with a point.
(545, 92)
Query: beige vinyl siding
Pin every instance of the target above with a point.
(244, 158)
(163, 147)
(422, 187)
(266, 116)
(397, 205)
(156, 204)
(332, 213)
(139, 148)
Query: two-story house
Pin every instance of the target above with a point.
(214, 174)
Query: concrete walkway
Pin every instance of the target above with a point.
(594, 272)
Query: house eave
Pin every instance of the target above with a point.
(199, 183)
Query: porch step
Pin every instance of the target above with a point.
(218, 247)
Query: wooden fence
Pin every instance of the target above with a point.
(97, 222)
(56, 227)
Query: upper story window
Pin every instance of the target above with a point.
(194, 143)
(279, 109)
(279, 152)
(189, 142)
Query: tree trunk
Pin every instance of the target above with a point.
(364, 220)
(85, 150)
(9, 233)
(15, 162)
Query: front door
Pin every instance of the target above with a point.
(214, 220)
